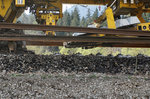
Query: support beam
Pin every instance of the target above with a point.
(139, 15)
(110, 18)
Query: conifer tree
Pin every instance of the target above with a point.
(83, 22)
(59, 22)
(88, 16)
(146, 17)
(95, 15)
(66, 19)
(71, 15)
(76, 18)
(89, 13)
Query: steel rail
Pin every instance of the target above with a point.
(74, 29)
(97, 45)
(28, 43)
(33, 38)
(130, 45)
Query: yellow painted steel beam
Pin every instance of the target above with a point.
(110, 18)
(5, 8)
(9, 12)
(139, 15)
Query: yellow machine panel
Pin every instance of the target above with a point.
(143, 27)
(50, 19)
(8, 11)
(5, 8)
(20, 3)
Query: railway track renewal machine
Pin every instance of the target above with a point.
(48, 12)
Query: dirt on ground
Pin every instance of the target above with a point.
(30, 76)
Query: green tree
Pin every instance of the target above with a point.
(66, 19)
(95, 15)
(83, 22)
(71, 15)
(59, 22)
(146, 17)
(76, 18)
(88, 16)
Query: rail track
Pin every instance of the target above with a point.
(90, 41)
(118, 38)
(30, 63)
(74, 29)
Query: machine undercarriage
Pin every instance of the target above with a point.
(12, 46)
(48, 12)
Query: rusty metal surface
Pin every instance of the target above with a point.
(74, 29)
(88, 45)
(77, 41)
(34, 38)
(84, 45)
(28, 43)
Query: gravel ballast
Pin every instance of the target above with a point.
(26, 63)
(73, 86)
(28, 76)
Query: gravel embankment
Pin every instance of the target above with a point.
(73, 86)
(75, 63)
(28, 76)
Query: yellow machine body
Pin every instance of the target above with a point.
(9, 11)
(20, 3)
(110, 18)
(45, 10)
(50, 19)
(123, 7)
(143, 27)
(5, 8)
